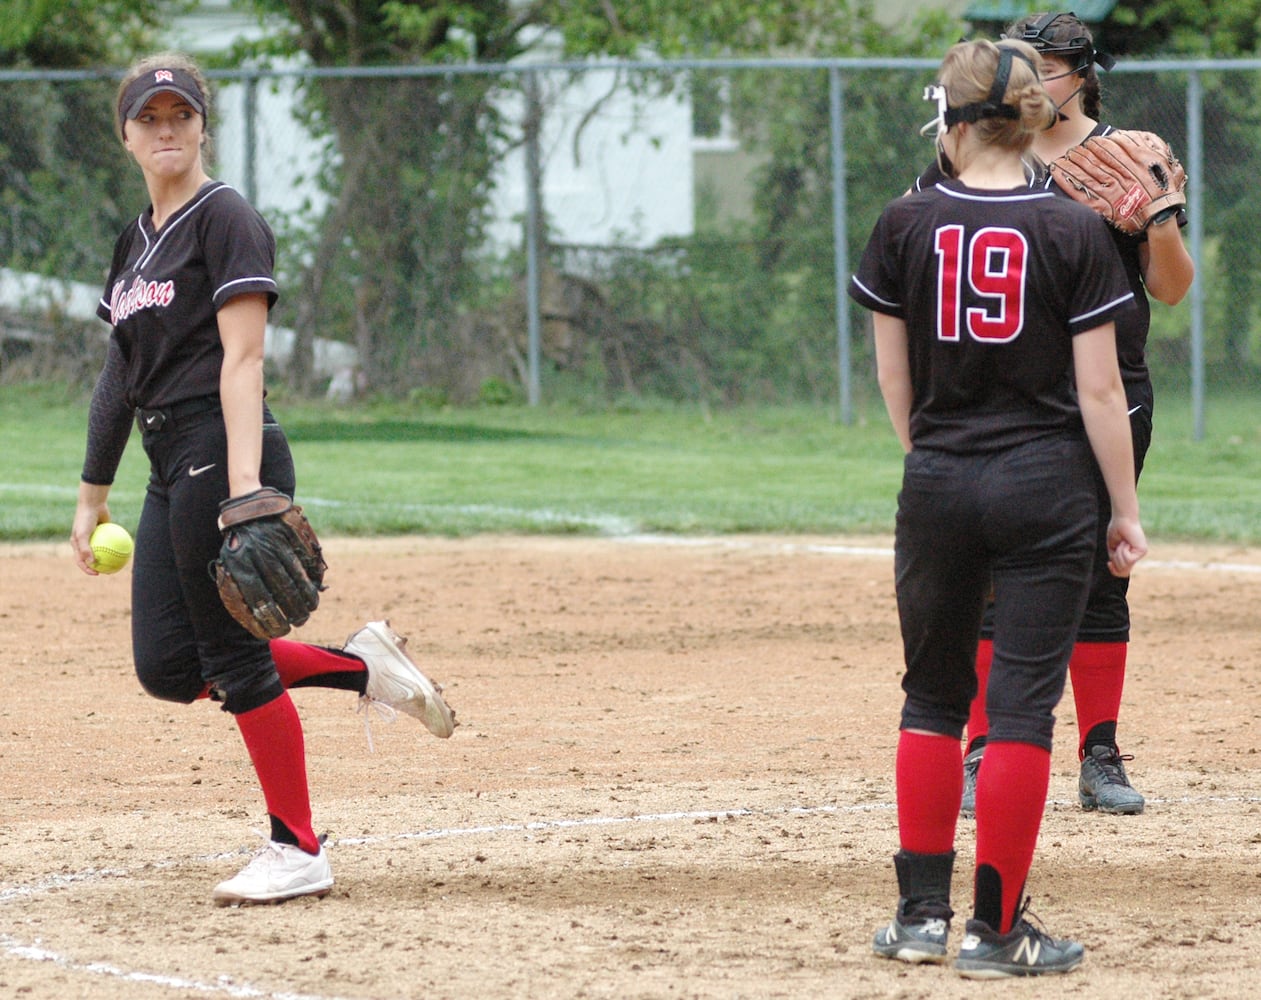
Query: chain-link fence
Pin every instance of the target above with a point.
(680, 229)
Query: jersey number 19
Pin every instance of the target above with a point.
(994, 263)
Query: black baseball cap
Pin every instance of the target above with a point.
(156, 81)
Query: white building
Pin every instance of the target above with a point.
(623, 177)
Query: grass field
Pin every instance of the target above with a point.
(390, 469)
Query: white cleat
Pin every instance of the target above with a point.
(394, 680)
(277, 872)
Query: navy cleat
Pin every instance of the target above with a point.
(1025, 950)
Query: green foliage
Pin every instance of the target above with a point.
(66, 185)
(1231, 121)
(74, 34)
(497, 392)
(408, 171)
(1184, 27)
(745, 310)
(22, 19)
(60, 221)
(397, 268)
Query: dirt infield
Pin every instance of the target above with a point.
(673, 778)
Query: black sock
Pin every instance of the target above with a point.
(280, 833)
(1102, 734)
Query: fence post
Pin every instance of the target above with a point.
(1195, 150)
(533, 114)
(250, 166)
(840, 240)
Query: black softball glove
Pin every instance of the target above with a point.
(270, 569)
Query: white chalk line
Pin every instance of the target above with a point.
(59, 881)
(224, 986)
(15, 948)
(620, 529)
(884, 552)
(1214, 567)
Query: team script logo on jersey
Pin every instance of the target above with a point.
(124, 302)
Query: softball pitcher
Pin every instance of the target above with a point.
(188, 293)
(989, 300)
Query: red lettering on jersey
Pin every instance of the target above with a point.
(949, 274)
(998, 273)
(995, 268)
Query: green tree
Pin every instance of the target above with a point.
(64, 177)
(409, 173)
(1185, 27)
(1232, 127)
(413, 158)
(779, 326)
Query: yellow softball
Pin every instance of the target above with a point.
(111, 547)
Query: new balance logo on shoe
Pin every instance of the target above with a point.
(1029, 950)
(918, 939)
(1025, 950)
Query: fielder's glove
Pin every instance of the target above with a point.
(270, 570)
(1130, 178)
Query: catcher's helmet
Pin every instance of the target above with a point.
(1062, 35)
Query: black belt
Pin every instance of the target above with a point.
(157, 417)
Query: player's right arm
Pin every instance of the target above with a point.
(1101, 396)
(893, 372)
(109, 425)
(90, 511)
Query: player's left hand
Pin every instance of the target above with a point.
(1130, 178)
(270, 569)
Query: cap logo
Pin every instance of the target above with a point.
(170, 78)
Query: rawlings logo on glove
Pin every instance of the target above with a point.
(1130, 178)
(270, 569)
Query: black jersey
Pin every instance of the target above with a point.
(992, 286)
(166, 287)
(1133, 325)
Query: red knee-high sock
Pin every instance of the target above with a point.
(303, 665)
(978, 721)
(1010, 796)
(273, 736)
(930, 785)
(1097, 670)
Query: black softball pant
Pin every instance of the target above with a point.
(1107, 615)
(1024, 518)
(183, 640)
